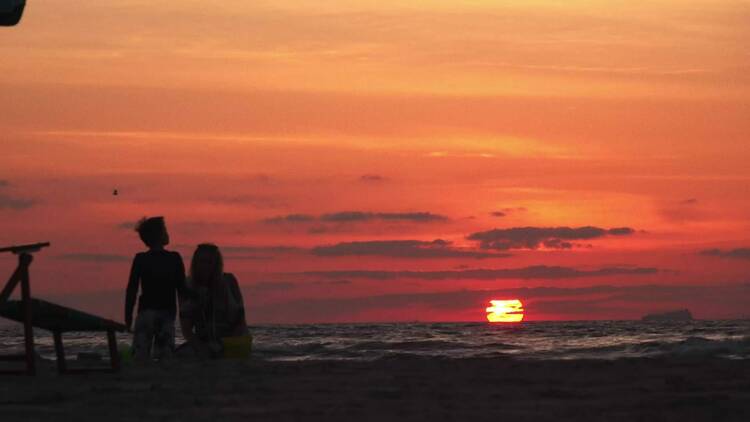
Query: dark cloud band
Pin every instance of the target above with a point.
(536, 237)
(739, 253)
(402, 249)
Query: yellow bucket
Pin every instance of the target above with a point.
(238, 347)
(126, 353)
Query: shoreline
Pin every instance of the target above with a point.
(403, 388)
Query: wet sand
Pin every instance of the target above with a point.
(390, 389)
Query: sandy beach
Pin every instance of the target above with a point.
(391, 389)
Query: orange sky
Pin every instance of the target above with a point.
(425, 119)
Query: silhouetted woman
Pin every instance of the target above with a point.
(215, 308)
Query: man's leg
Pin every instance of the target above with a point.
(164, 336)
(143, 336)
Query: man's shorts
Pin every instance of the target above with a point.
(154, 334)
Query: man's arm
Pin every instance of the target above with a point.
(132, 291)
(184, 296)
(187, 326)
(180, 285)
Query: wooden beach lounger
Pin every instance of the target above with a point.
(49, 316)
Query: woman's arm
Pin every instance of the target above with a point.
(201, 348)
(188, 309)
(240, 326)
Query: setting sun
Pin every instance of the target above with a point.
(505, 311)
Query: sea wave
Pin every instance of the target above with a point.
(559, 340)
(701, 347)
(691, 347)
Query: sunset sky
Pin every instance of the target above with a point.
(371, 161)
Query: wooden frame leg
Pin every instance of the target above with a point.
(62, 365)
(28, 318)
(12, 283)
(21, 272)
(114, 355)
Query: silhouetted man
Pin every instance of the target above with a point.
(160, 274)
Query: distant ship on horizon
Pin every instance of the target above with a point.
(678, 315)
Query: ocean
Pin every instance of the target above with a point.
(728, 339)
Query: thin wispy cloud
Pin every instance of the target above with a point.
(358, 217)
(372, 178)
(94, 257)
(738, 253)
(537, 272)
(13, 203)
